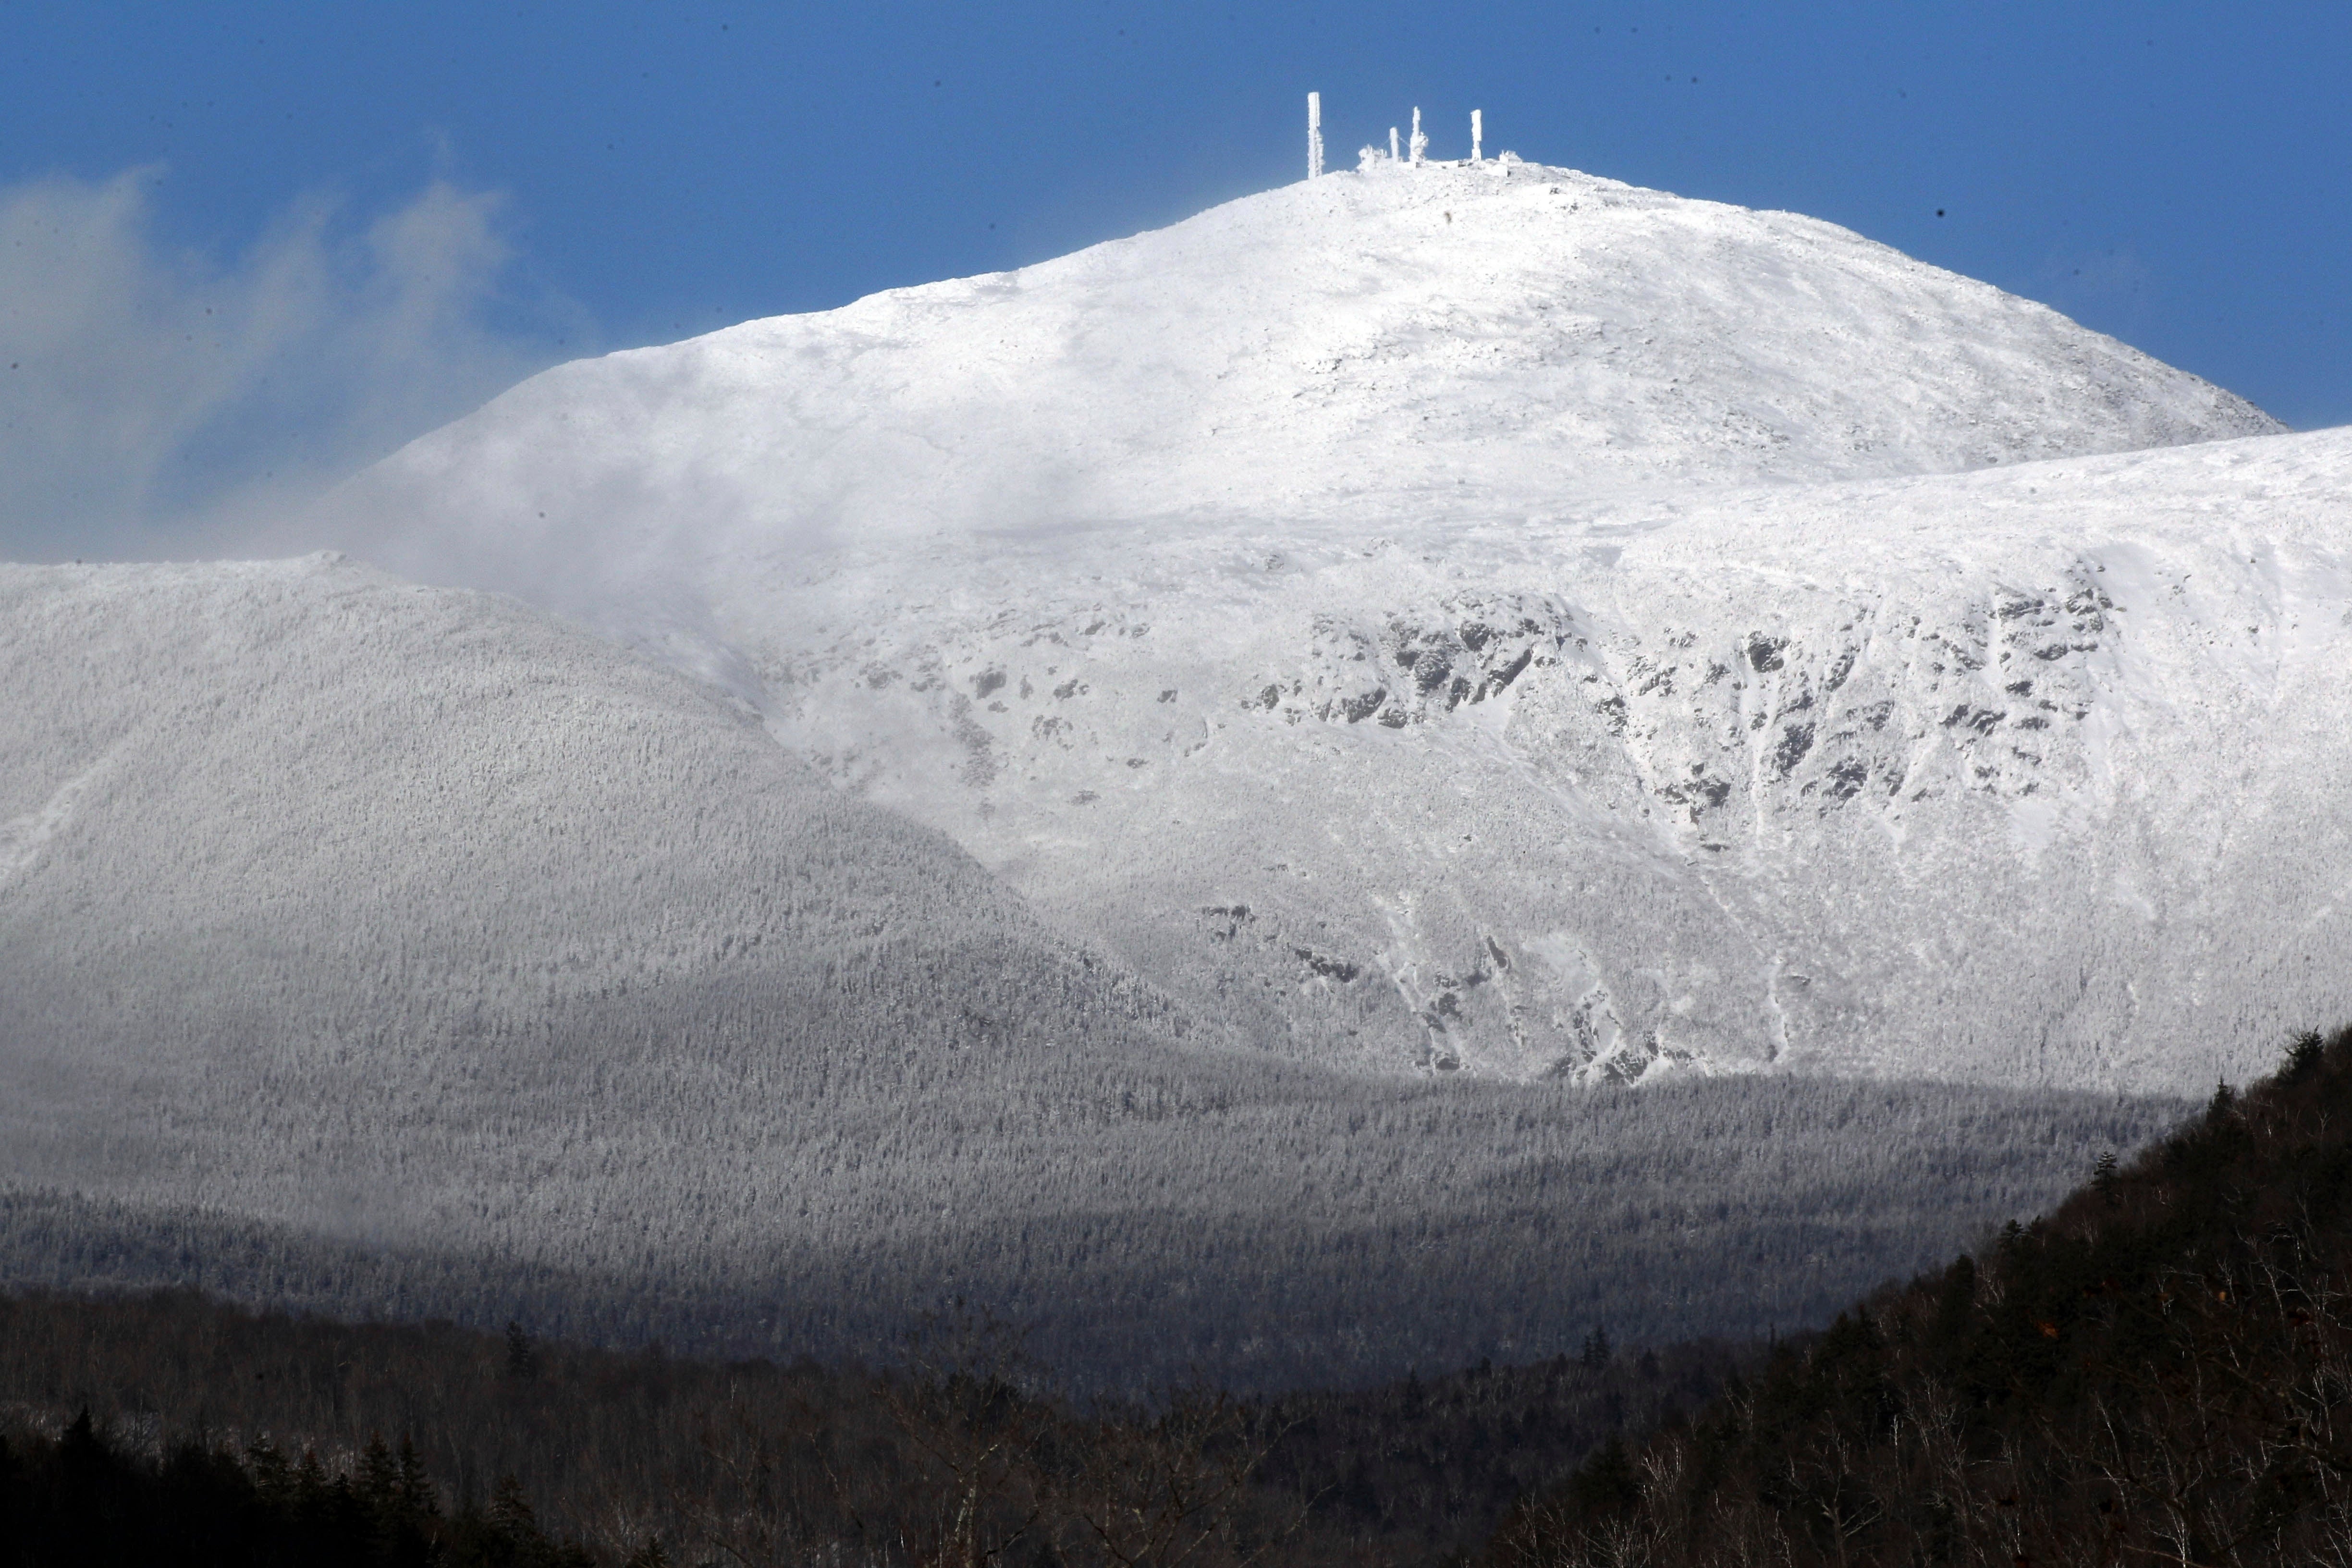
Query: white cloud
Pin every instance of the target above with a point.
(163, 403)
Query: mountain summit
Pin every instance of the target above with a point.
(1451, 338)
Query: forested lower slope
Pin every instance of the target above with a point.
(2161, 1311)
(1332, 1232)
(400, 951)
(87, 1499)
(2159, 1370)
(321, 894)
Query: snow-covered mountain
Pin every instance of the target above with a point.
(1457, 341)
(1489, 618)
(1191, 731)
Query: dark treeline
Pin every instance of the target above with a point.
(284, 1436)
(2160, 1371)
(1424, 1471)
(81, 1498)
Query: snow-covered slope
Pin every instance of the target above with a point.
(2031, 776)
(1494, 619)
(1450, 340)
(320, 889)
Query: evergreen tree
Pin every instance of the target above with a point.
(522, 1356)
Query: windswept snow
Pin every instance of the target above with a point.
(1450, 341)
(23, 838)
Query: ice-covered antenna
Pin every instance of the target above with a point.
(1392, 145)
(1420, 142)
(1478, 135)
(1314, 135)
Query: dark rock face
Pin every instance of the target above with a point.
(1417, 667)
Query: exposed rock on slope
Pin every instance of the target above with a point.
(2024, 777)
(403, 950)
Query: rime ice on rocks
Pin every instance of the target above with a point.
(1419, 143)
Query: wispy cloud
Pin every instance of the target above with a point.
(163, 403)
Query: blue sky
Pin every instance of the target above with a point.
(250, 247)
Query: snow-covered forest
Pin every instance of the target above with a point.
(1281, 1242)
(404, 951)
